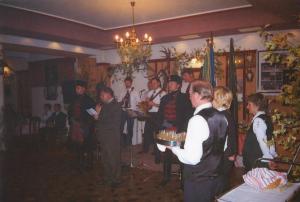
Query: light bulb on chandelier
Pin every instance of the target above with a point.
(131, 49)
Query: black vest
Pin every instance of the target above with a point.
(252, 150)
(213, 148)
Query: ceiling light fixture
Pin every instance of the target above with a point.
(131, 49)
(192, 36)
(250, 29)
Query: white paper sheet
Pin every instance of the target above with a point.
(91, 111)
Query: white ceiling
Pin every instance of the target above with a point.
(109, 14)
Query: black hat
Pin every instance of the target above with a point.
(175, 78)
(81, 83)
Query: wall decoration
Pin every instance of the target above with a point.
(270, 75)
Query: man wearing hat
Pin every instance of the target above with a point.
(172, 116)
(82, 124)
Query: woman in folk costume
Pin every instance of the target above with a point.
(259, 141)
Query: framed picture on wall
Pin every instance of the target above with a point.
(270, 76)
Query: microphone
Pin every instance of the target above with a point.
(141, 92)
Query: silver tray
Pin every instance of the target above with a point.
(169, 142)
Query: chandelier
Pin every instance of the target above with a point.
(132, 50)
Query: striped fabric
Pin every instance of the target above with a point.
(263, 178)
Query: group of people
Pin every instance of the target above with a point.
(53, 124)
(210, 148)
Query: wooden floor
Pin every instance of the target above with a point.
(49, 175)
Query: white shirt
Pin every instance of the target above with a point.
(134, 98)
(144, 94)
(184, 86)
(260, 129)
(45, 118)
(156, 100)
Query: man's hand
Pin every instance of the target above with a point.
(169, 147)
(232, 158)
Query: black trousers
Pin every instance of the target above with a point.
(201, 191)
(111, 159)
(149, 131)
(168, 159)
(227, 167)
(167, 164)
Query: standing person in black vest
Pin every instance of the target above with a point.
(187, 78)
(108, 122)
(259, 140)
(153, 98)
(172, 116)
(81, 125)
(222, 101)
(204, 146)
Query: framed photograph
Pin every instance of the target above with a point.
(270, 76)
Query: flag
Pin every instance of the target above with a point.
(232, 84)
(212, 62)
(208, 69)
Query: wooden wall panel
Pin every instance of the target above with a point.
(65, 70)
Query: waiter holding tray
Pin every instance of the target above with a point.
(129, 101)
(204, 146)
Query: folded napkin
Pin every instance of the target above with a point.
(263, 178)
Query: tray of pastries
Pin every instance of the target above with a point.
(170, 138)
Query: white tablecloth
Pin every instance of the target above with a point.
(245, 193)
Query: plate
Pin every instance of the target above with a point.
(169, 142)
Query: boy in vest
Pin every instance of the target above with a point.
(259, 135)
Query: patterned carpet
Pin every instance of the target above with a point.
(33, 175)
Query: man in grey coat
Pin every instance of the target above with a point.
(108, 122)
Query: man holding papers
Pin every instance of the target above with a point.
(108, 122)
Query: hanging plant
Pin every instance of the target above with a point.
(286, 122)
(134, 59)
(183, 59)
